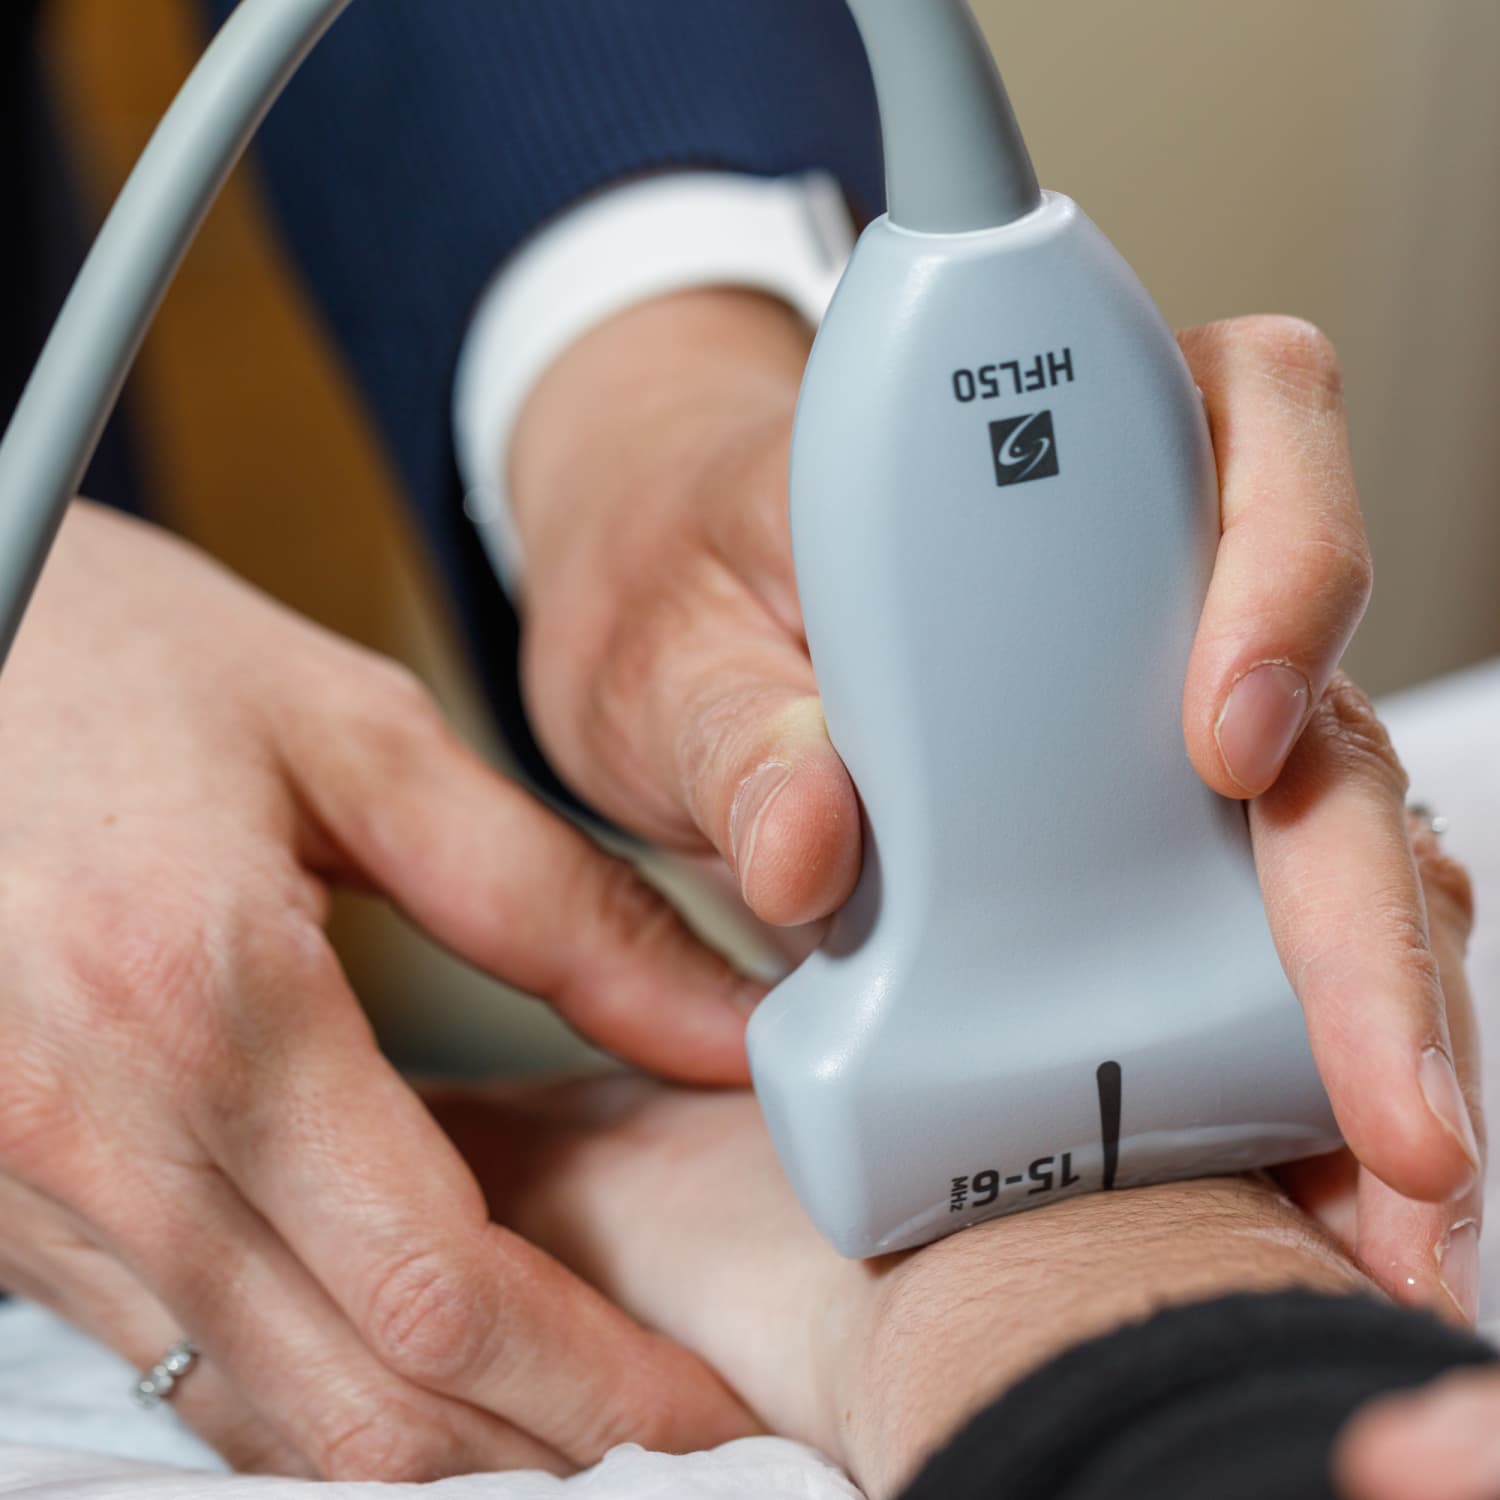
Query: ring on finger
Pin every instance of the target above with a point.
(160, 1382)
(1426, 817)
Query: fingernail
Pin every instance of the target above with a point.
(1260, 722)
(1458, 1267)
(757, 793)
(1446, 1101)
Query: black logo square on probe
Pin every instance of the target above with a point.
(1024, 448)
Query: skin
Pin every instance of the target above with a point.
(1439, 1443)
(877, 1363)
(197, 1135)
(670, 1203)
(668, 677)
(874, 1363)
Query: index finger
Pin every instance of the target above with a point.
(1422, 1252)
(1347, 911)
(1292, 576)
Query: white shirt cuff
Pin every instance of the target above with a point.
(790, 237)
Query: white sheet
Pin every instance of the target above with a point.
(755, 1467)
(67, 1431)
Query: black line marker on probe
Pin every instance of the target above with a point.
(1110, 1089)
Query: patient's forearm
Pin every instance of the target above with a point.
(952, 1326)
(674, 1204)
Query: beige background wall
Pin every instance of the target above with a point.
(1340, 160)
(1337, 159)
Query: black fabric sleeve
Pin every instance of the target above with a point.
(1236, 1399)
(426, 139)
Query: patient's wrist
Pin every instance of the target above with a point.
(1238, 1398)
(672, 1203)
(946, 1329)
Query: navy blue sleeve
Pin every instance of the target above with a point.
(426, 139)
(43, 244)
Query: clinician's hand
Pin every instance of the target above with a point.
(669, 680)
(198, 1135)
(1439, 1442)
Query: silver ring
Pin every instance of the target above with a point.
(159, 1382)
(1433, 822)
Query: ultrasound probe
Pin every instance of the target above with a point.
(1055, 975)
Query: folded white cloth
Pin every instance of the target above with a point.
(68, 1431)
(59, 1389)
(752, 1469)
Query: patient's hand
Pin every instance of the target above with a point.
(674, 1205)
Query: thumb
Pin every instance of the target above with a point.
(1292, 575)
(400, 803)
(730, 734)
(1437, 1443)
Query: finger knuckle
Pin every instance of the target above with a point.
(1447, 884)
(658, 699)
(393, 691)
(248, 1447)
(623, 905)
(292, 972)
(607, 748)
(390, 735)
(625, 691)
(53, 1141)
(1330, 576)
(1345, 570)
(131, 956)
(137, 963)
(1409, 950)
(397, 718)
(392, 1446)
(630, 923)
(650, 1424)
(1395, 932)
(426, 1318)
(600, 1413)
(1357, 737)
(37, 1114)
(147, 987)
(1295, 354)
